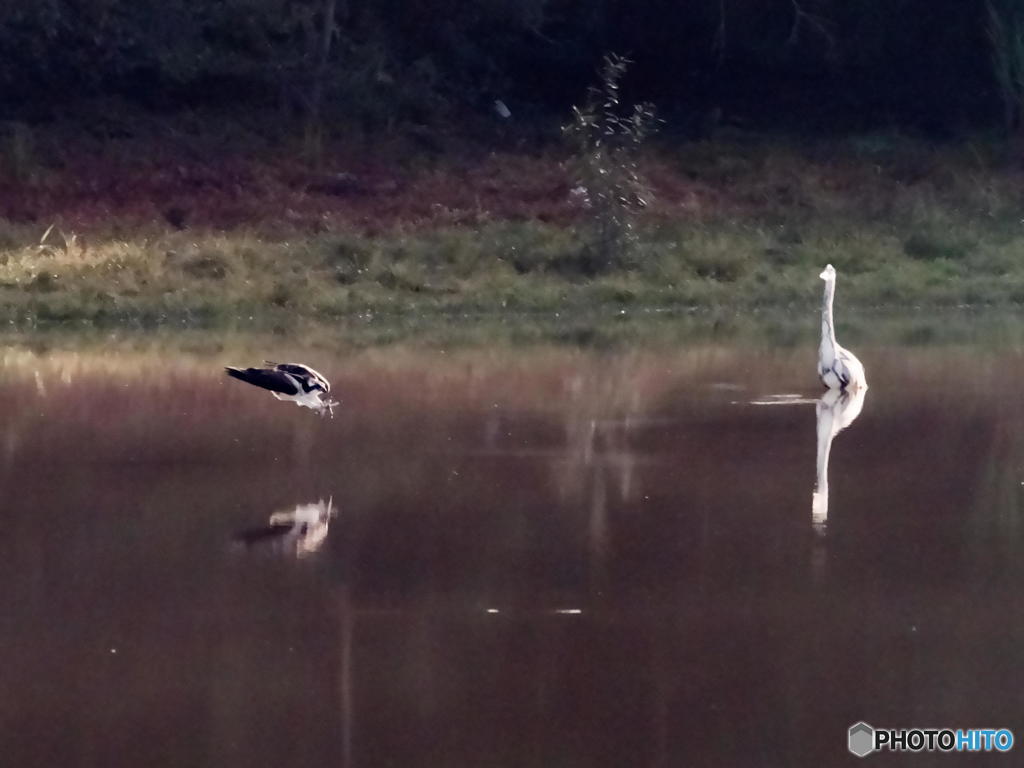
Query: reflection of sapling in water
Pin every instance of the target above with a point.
(836, 410)
(300, 531)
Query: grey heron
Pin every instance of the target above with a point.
(838, 367)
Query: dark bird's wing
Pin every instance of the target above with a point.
(275, 381)
(297, 369)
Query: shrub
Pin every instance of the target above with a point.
(928, 246)
(607, 143)
(209, 265)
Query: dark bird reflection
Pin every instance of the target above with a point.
(299, 531)
(836, 410)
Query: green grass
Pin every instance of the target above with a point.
(526, 267)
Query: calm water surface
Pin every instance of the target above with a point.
(541, 557)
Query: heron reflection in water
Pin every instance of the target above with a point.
(299, 531)
(836, 410)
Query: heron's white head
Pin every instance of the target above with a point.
(829, 273)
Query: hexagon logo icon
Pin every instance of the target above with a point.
(861, 739)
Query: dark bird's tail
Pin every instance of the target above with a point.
(250, 537)
(238, 373)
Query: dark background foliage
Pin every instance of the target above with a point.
(922, 65)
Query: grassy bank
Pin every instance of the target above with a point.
(735, 224)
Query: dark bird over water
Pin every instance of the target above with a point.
(289, 381)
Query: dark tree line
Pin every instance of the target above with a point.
(923, 64)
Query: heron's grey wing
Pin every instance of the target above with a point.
(275, 381)
(842, 368)
(843, 375)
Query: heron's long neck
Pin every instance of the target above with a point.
(828, 332)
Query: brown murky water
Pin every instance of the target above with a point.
(543, 557)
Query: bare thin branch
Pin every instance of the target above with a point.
(718, 46)
(801, 17)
